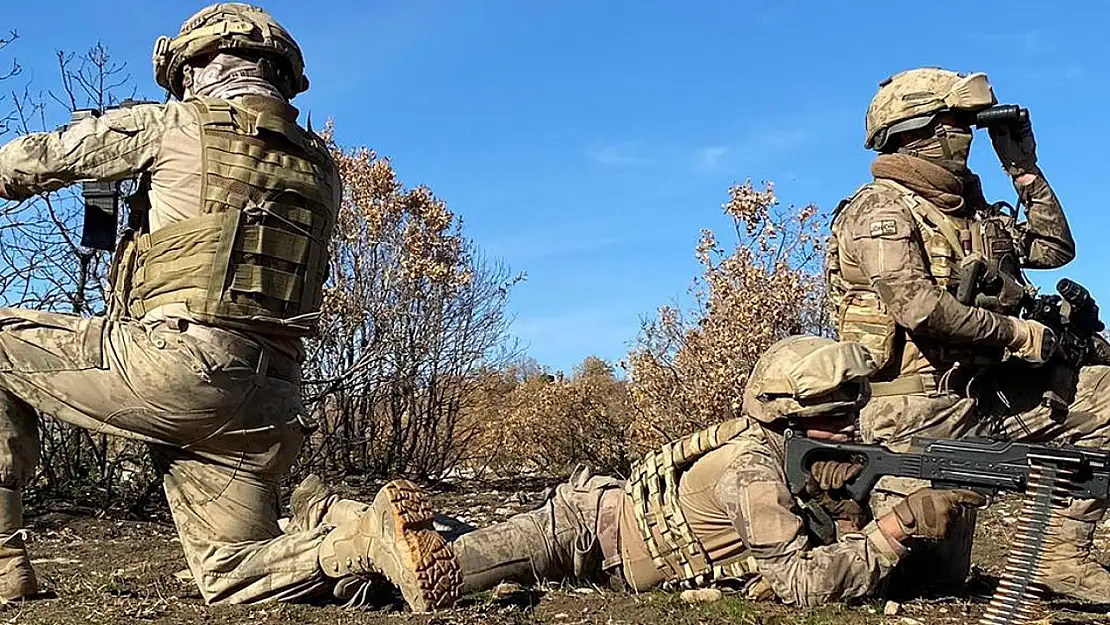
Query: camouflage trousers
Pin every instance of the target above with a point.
(218, 413)
(1005, 403)
(567, 537)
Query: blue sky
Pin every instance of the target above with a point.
(586, 143)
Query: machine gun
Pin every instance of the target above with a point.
(1072, 315)
(101, 199)
(983, 465)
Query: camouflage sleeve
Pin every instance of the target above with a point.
(118, 144)
(753, 492)
(882, 235)
(1047, 242)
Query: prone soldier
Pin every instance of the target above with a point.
(713, 507)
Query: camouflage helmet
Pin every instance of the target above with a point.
(911, 99)
(228, 27)
(808, 376)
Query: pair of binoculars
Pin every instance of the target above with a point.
(1001, 115)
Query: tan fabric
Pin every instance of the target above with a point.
(222, 424)
(162, 139)
(935, 183)
(228, 76)
(221, 434)
(736, 501)
(891, 260)
(556, 541)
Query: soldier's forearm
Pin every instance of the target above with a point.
(105, 148)
(925, 308)
(851, 568)
(1048, 240)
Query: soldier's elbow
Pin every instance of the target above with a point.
(1044, 255)
(910, 308)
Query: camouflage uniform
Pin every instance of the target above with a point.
(898, 246)
(731, 518)
(199, 355)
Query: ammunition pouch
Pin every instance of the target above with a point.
(982, 285)
(653, 487)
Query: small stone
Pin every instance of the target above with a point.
(905, 620)
(505, 589)
(701, 595)
(561, 615)
(891, 608)
(584, 590)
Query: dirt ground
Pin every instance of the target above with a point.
(103, 570)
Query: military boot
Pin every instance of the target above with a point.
(17, 578)
(313, 503)
(1067, 566)
(394, 536)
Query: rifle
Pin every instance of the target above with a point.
(101, 198)
(987, 466)
(1072, 317)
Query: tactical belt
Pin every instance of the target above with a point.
(270, 363)
(957, 380)
(608, 525)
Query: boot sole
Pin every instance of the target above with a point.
(411, 553)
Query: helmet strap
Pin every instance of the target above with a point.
(942, 136)
(186, 79)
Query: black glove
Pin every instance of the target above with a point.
(1016, 147)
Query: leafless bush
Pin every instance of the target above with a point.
(411, 311)
(689, 368)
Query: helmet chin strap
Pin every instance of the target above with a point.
(942, 136)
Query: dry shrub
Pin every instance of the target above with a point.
(689, 368)
(411, 311)
(527, 421)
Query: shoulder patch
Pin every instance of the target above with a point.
(883, 227)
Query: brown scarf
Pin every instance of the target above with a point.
(933, 182)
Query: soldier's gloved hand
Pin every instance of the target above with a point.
(1016, 147)
(834, 474)
(928, 513)
(1033, 341)
(846, 509)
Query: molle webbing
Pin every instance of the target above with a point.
(256, 255)
(653, 487)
